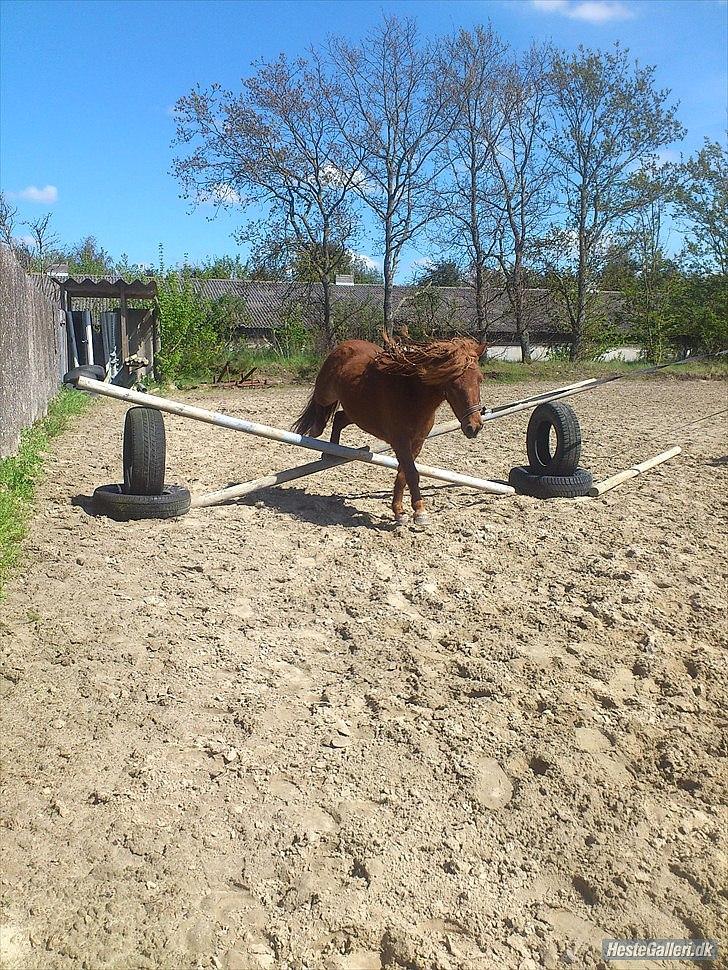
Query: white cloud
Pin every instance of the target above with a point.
(551, 6)
(220, 194)
(591, 11)
(47, 195)
(368, 261)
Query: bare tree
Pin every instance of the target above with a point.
(8, 216)
(471, 67)
(8, 228)
(396, 115)
(44, 246)
(609, 120)
(524, 172)
(275, 145)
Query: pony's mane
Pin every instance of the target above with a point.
(435, 362)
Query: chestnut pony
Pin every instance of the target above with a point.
(393, 394)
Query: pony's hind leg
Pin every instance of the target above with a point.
(341, 421)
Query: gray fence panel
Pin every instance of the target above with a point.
(33, 355)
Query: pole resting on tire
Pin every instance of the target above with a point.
(553, 445)
(560, 419)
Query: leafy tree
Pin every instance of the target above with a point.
(697, 312)
(362, 270)
(609, 120)
(221, 268)
(190, 341)
(703, 204)
(274, 145)
(305, 263)
(89, 258)
(441, 272)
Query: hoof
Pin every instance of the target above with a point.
(400, 518)
(422, 518)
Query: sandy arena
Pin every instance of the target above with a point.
(284, 734)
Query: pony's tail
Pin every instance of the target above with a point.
(314, 418)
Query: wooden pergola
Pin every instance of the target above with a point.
(110, 289)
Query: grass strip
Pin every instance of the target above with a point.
(20, 473)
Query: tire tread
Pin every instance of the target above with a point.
(563, 419)
(112, 500)
(550, 486)
(145, 450)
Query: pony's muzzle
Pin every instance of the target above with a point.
(471, 432)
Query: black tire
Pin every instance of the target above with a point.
(565, 460)
(95, 371)
(550, 486)
(113, 501)
(145, 452)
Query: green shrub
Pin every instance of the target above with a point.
(191, 346)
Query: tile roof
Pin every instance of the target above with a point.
(449, 308)
(359, 307)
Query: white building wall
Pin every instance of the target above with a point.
(509, 352)
(541, 352)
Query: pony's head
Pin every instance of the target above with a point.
(463, 391)
(449, 364)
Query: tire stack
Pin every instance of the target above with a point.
(552, 473)
(143, 494)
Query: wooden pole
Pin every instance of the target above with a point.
(75, 359)
(123, 326)
(316, 467)
(284, 437)
(609, 483)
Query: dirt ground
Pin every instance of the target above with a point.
(285, 734)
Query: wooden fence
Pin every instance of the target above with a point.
(33, 355)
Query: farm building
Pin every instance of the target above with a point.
(261, 311)
(357, 307)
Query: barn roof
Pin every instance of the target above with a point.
(109, 287)
(265, 305)
(266, 302)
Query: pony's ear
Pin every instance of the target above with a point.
(482, 349)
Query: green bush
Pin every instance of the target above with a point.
(191, 346)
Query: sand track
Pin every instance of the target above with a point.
(281, 734)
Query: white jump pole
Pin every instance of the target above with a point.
(89, 336)
(316, 467)
(609, 483)
(284, 437)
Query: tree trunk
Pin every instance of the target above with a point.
(388, 283)
(480, 318)
(577, 344)
(328, 326)
(524, 337)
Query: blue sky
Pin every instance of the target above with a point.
(87, 88)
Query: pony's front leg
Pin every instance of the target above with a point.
(398, 499)
(407, 465)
